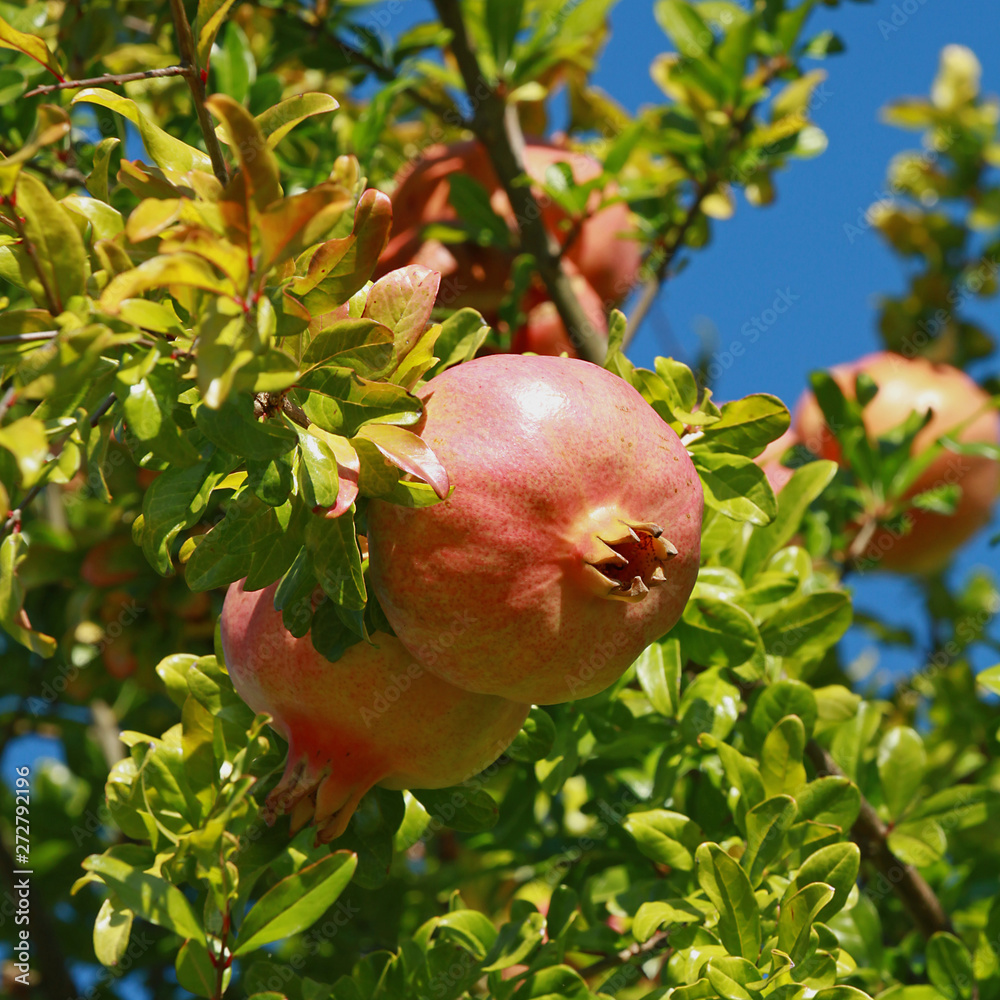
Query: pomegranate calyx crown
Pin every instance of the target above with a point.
(628, 562)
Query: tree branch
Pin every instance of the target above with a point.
(657, 943)
(871, 836)
(189, 54)
(668, 248)
(116, 78)
(497, 128)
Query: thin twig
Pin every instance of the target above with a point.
(668, 248)
(657, 943)
(27, 338)
(115, 78)
(497, 128)
(871, 836)
(449, 112)
(189, 54)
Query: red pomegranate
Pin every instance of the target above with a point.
(570, 542)
(905, 385)
(374, 717)
(544, 332)
(476, 276)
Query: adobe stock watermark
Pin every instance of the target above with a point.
(899, 16)
(750, 332)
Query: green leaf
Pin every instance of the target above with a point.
(258, 165)
(503, 22)
(837, 865)
(341, 402)
(26, 440)
(234, 428)
(195, 971)
(918, 842)
(318, 482)
(30, 45)
(650, 917)
(515, 942)
(735, 487)
(808, 625)
(902, 761)
(746, 426)
(781, 767)
(729, 889)
(668, 838)
(13, 552)
(720, 634)
(471, 929)
(658, 669)
(990, 679)
(112, 929)
(277, 121)
(338, 268)
(556, 982)
(166, 151)
(806, 484)
(780, 699)
(158, 272)
(472, 203)
(536, 738)
(466, 809)
(949, 965)
(798, 913)
(689, 33)
(333, 543)
(766, 825)
(363, 345)
(296, 902)
(461, 336)
(210, 18)
(149, 896)
(58, 267)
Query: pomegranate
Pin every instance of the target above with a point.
(570, 542)
(544, 331)
(476, 276)
(374, 717)
(952, 397)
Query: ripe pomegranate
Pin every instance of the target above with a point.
(770, 460)
(952, 397)
(570, 542)
(544, 332)
(374, 717)
(476, 276)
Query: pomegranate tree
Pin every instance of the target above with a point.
(959, 407)
(571, 539)
(374, 717)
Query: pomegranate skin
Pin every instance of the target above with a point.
(907, 384)
(374, 717)
(544, 332)
(571, 540)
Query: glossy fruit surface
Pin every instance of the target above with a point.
(904, 385)
(375, 716)
(571, 539)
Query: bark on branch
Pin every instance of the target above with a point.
(871, 836)
(497, 128)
